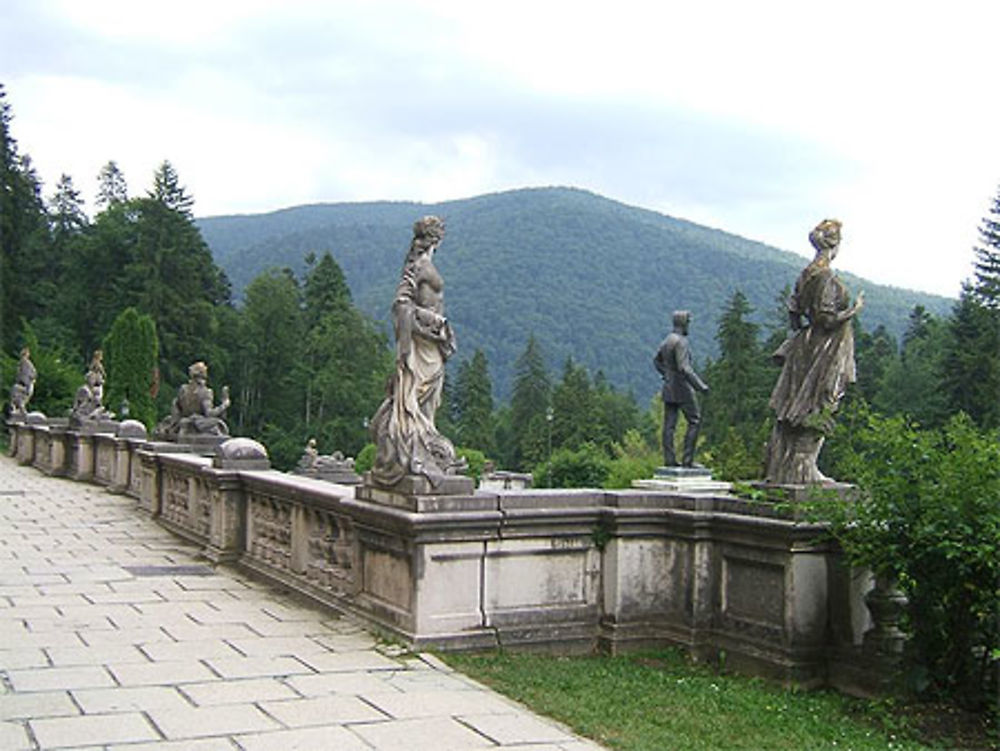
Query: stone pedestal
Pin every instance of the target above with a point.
(416, 493)
(814, 492)
(689, 480)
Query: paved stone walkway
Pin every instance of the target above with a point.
(113, 635)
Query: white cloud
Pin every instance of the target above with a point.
(758, 118)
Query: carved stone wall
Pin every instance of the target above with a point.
(561, 570)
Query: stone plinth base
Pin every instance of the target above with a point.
(415, 493)
(203, 445)
(693, 480)
(795, 493)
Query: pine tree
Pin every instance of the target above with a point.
(111, 186)
(167, 190)
(529, 403)
(912, 382)
(970, 371)
(66, 212)
(740, 380)
(575, 420)
(24, 243)
(271, 339)
(325, 289)
(987, 264)
(474, 405)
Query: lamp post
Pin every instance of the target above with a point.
(549, 414)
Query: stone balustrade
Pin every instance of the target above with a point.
(566, 570)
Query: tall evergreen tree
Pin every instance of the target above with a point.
(874, 352)
(971, 364)
(271, 338)
(987, 264)
(167, 190)
(111, 186)
(24, 246)
(171, 276)
(912, 382)
(529, 403)
(741, 380)
(575, 420)
(325, 289)
(474, 405)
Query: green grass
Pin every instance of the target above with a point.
(658, 701)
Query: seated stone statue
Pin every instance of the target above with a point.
(193, 412)
(87, 405)
(24, 385)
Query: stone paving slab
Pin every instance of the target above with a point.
(103, 648)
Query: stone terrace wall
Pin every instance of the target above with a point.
(566, 570)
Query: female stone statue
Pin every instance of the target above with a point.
(817, 364)
(406, 439)
(24, 384)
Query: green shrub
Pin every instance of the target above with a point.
(365, 459)
(634, 459)
(476, 460)
(930, 516)
(587, 467)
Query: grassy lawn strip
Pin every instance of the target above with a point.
(658, 701)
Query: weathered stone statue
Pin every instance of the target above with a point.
(680, 387)
(406, 439)
(193, 412)
(333, 467)
(817, 364)
(24, 385)
(88, 404)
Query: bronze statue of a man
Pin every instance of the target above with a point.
(680, 387)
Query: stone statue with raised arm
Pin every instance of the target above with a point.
(817, 362)
(680, 386)
(194, 412)
(24, 385)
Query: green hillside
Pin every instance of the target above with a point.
(591, 277)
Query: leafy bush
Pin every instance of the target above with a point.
(365, 459)
(930, 516)
(476, 460)
(587, 467)
(634, 460)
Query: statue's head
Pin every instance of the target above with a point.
(825, 237)
(198, 371)
(25, 353)
(429, 229)
(682, 320)
(97, 358)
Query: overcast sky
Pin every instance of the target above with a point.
(759, 118)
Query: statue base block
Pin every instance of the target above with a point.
(693, 480)
(801, 493)
(416, 493)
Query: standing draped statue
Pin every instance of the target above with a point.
(817, 364)
(24, 384)
(407, 441)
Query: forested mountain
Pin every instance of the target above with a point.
(590, 277)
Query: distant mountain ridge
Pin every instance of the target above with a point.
(592, 278)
